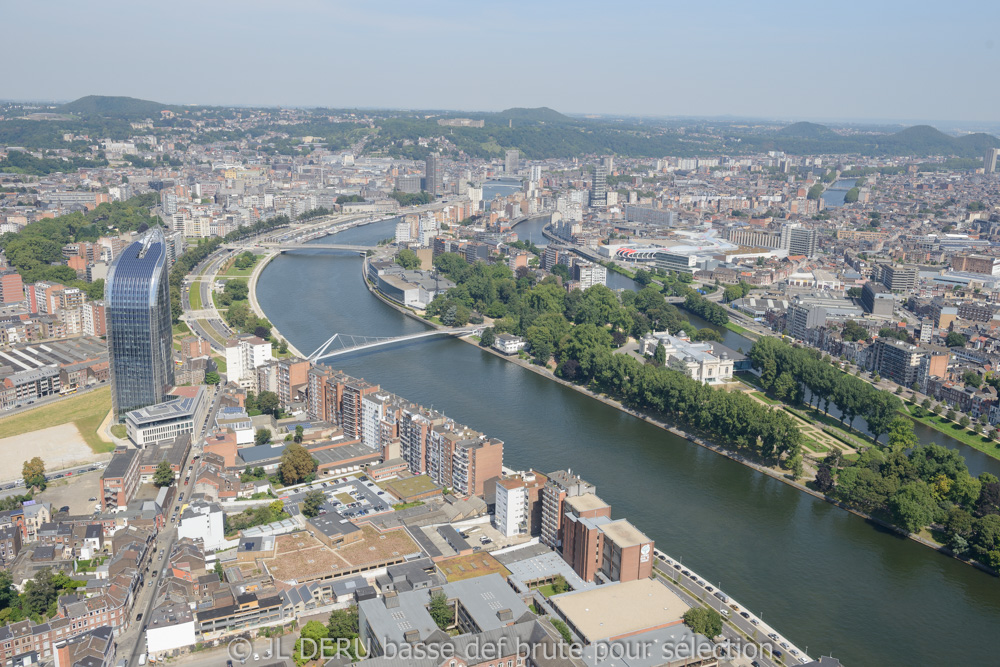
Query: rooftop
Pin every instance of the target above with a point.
(617, 610)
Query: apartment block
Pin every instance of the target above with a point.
(559, 486)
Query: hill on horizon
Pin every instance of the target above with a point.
(807, 130)
(538, 114)
(120, 107)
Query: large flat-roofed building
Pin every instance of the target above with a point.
(696, 360)
(599, 547)
(877, 300)
(620, 610)
(166, 421)
(985, 264)
(896, 277)
(482, 604)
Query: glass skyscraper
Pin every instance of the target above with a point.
(137, 302)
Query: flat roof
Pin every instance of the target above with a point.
(616, 610)
(586, 502)
(410, 486)
(624, 534)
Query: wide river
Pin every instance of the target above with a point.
(826, 579)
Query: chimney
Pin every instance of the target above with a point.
(391, 599)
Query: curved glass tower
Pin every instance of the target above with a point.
(137, 301)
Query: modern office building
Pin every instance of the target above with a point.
(512, 160)
(877, 300)
(599, 189)
(990, 160)
(798, 240)
(432, 174)
(895, 277)
(137, 300)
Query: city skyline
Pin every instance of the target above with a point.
(779, 61)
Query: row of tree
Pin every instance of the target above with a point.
(193, 256)
(787, 371)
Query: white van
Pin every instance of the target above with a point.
(142, 660)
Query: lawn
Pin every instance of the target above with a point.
(548, 590)
(181, 329)
(811, 444)
(956, 431)
(87, 411)
(765, 398)
(119, 431)
(344, 498)
(735, 328)
(210, 330)
(195, 292)
(233, 272)
(221, 363)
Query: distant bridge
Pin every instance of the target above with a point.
(285, 247)
(344, 343)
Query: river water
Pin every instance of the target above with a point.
(834, 195)
(826, 579)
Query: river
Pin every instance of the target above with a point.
(828, 580)
(834, 195)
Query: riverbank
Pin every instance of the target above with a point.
(255, 306)
(686, 435)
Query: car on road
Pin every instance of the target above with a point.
(686, 573)
(138, 617)
(744, 614)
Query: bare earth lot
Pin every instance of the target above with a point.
(59, 446)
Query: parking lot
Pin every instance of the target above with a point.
(74, 492)
(351, 497)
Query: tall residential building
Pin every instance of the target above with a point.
(798, 240)
(137, 302)
(599, 189)
(561, 484)
(990, 160)
(243, 356)
(11, 286)
(896, 277)
(512, 160)
(432, 174)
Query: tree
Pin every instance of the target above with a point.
(212, 377)
(268, 403)
(954, 339)
(563, 630)
(703, 621)
(408, 259)
(262, 332)
(815, 192)
(219, 571)
(33, 472)
(660, 355)
(972, 378)
(262, 436)
(964, 421)
(824, 478)
(312, 644)
(164, 475)
(559, 584)
(298, 433)
(950, 415)
(282, 346)
(296, 464)
(441, 611)
(488, 338)
(312, 502)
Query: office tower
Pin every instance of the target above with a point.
(512, 161)
(608, 162)
(11, 286)
(990, 160)
(599, 190)
(798, 240)
(432, 174)
(137, 302)
(536, 173)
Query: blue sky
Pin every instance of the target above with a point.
(784, 60)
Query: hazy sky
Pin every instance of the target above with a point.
(788, 60)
